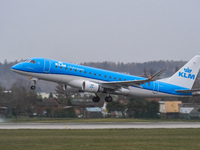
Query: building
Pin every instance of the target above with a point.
(169, 109)
(190, 111)
(45, 95)
(93, 112)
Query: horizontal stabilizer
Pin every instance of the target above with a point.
(188, 91)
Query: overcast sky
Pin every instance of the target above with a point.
(100, 30)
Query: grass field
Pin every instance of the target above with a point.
(115, 139)
(68, 120)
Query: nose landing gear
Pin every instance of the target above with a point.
(33, 83)
(32, 87)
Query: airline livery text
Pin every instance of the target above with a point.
(187, 74)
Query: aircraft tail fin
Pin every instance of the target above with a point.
(186, 76)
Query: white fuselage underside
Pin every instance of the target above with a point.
(75, 81)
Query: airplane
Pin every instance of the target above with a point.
(79, 78)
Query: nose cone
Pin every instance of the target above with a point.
(16, 67)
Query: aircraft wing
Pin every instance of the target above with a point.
(137, 83)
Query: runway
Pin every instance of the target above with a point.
(124, 125)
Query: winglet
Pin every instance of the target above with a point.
(157, 75)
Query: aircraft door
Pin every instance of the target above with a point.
(155, 87)
(47, 65)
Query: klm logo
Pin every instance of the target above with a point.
(92, 86)
(187, 74)
(60, 64)
(188, 70)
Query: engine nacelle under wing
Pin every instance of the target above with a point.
(91, 87)
(70, 90)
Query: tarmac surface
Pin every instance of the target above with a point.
(123, 125)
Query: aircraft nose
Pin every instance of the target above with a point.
(16, 67)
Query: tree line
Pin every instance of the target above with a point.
(20, 100)
(135, 108)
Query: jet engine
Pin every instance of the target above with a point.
(70, 90)
(91, 87)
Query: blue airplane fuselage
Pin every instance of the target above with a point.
(74, 75)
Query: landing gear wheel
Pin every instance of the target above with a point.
(32, 87)
(33, 83)
(96, 99)
(108, 99)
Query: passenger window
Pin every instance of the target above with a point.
(115, 78)
(56, 66)
(105, 76)
(80, 71)
(95, 74)
(110, 77)
(119, 78)
(99, 74)
(65, 68)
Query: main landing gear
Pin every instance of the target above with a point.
(96, 99)
(33, 83)
(108, 99)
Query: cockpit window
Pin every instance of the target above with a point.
(27, 60)
(32, 61)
